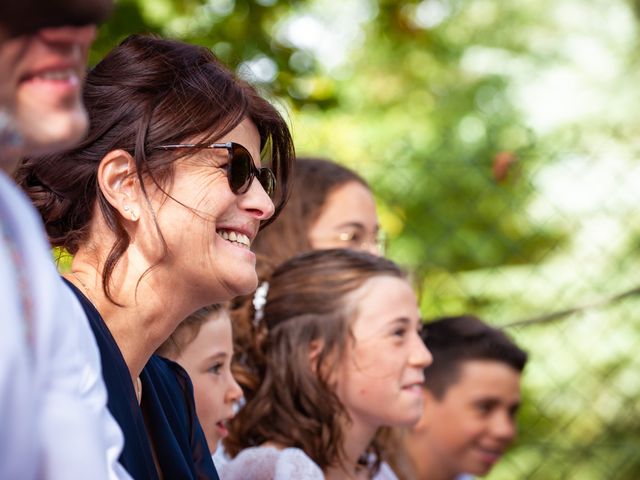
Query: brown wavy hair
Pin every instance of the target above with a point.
(309, 303)
(147, 92)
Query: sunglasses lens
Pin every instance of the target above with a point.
(268, 181)
(240, 169)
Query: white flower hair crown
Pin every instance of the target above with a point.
(259, 301)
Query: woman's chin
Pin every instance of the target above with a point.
(238, 286)
(249, 286)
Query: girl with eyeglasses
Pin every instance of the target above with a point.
(340, 357)
(331, 206)
(159, 206)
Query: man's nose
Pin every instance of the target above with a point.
(69, 35)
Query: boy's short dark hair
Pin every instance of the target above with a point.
(455, 340)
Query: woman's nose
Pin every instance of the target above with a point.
(256, 201)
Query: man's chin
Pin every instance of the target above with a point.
(54, 140)
(60, 133)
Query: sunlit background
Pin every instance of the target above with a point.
(501, 139)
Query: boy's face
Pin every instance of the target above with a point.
(470, 428)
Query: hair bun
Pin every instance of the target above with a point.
(52, 205)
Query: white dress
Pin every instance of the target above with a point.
(385, 473)
(269, 463)
(53, 413)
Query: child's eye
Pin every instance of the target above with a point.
(400, 332)
(357, 238)
(484, 407)
(215, 369)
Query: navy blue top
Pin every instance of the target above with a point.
(167, 404)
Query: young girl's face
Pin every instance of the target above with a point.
(207, 360)
(380, 381)
(348, 219)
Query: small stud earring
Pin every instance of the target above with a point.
(126, 208)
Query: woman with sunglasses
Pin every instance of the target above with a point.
(159, 206)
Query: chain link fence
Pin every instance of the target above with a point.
(572, 302)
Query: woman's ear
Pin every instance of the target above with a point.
(119, 184)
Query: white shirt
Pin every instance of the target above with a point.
(53, 415)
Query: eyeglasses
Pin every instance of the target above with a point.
(356, 240)
(240, 170)
(375, 243)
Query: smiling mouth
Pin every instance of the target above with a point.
(68, 75)
(235, 238)
(414, 387)
(490, 456)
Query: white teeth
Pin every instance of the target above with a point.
(57, 74)
(235, 237)
(241, 238)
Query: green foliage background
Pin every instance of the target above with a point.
(492, 207)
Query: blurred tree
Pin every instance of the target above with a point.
(439, 131)
(442, 141)
(237, 31)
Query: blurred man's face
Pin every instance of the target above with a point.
(40, 86)
(471, 427)
(43, 50)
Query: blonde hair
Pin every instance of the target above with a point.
(188, 330)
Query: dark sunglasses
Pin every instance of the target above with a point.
(240, 170)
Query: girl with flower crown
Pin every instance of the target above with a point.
(340, 358)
